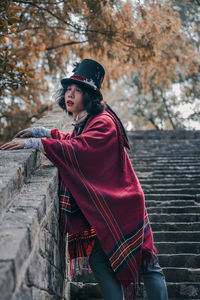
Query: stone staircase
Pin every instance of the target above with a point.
(167, 164)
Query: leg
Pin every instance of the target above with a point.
(100, 265)
(154, 281)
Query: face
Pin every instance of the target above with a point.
(74, 99)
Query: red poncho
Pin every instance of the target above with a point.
(108, 200)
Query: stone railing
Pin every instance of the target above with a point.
(32, 263)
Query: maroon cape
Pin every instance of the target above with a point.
(110, 198)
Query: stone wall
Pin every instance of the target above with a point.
(33, 264)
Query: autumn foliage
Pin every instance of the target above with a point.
(39, 39)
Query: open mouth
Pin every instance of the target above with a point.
(69, 102)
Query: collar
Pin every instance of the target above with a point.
(80, 117)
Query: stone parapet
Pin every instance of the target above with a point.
(32, 263)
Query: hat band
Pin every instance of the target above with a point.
(85, 80)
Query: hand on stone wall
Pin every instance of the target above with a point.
(13, 145)
(32, 143)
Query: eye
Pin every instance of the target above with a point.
(78, 90)
(68, 88)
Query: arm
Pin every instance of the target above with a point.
(36, 132)
(58, 135)
(88, 146)
(39, 132)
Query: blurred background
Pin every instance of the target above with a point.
(149, 49)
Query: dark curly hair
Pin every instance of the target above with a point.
(92, 104)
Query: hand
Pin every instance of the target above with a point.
(23, 134)
(12, 145)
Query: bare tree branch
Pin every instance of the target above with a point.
(45, 9)
(75, 26)
(66, 44)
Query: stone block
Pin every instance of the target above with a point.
(7, 280)
(44, 275)
(51, 224)
(55, 280)
(66, 290)
(16, 166)
(38, 294)
(37, 272)
(49, 248)
(31, 200)
(14, 246)
(23, 293)
(58, 256)
(22, 217)
(45, 182)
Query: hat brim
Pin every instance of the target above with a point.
(67, 81)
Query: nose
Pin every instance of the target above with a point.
(71, 93)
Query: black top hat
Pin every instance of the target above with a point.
(89, 74)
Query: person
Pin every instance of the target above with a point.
(102, 204)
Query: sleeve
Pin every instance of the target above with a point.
(84, 150)
(56, 134)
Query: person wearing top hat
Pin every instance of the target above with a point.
(102, 205)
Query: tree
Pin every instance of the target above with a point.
(125, 37)
(158, 106)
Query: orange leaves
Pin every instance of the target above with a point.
(8, 20)
(123, 36)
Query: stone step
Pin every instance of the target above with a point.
(165, 163)
(169, 196)
(164, 151)
(175, 226)
(172, 236)
(179, 260)
(165, 190)
(171, 186)
(165, 176)
(191, 157)
(183, 290)
(150, 178)
(84, 291)
(166, 261)
(179, 191)
(178, 247)
(167, 168)
(174, 209)
(168, 180)
(173, 274)
(165, 203)
(176, 291)
(167, 171)
(173, 218)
